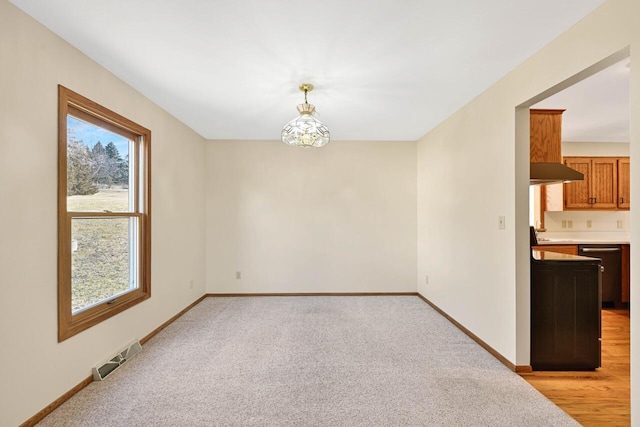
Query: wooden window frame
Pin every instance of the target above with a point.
(70, 324)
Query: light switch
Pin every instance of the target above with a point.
(501, 223)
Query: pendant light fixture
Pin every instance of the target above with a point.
(305, 130)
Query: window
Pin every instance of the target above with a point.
(104, 226)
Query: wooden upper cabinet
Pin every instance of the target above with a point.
(624, 188)
(604, 182)
(545, 136)
(603, 186)
(577, 194)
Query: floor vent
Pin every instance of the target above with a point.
(101, 371)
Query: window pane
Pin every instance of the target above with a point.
(98, 173)
(103, 258)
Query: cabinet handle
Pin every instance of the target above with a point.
(621, 199)
(600, 250)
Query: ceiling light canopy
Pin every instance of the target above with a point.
(305, 130)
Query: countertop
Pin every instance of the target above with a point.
(555, 256)
(578, 238)
(544, 241)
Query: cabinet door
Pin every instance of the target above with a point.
(604, 182)
(577, 193)
(565, 317)
(624, 189)
(545, 136)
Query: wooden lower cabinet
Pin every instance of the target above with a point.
(565, 315)
(563, 249)
(625, 283)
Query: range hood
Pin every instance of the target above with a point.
(552, 173)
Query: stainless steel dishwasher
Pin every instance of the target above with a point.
(611, 256)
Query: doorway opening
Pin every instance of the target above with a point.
(595, 125)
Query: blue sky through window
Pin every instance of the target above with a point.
(90, 134)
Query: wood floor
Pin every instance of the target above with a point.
(601, 397)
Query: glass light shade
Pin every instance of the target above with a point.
(305, 130)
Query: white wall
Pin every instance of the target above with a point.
(611, 223)
(34, 368)
(337, 219)
(588, 149)
(464, 184)
(473, 168)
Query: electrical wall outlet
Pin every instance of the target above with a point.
(619, 223)
(426, 280)
(501, 223)
(569, 223)
(238, 275)
(564, 223)
(588, 223)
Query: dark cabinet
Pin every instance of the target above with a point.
(611, 260)
(565, 315)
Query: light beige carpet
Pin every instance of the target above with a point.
(311, 361)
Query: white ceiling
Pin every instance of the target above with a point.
(597, 108)
(383, 69)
